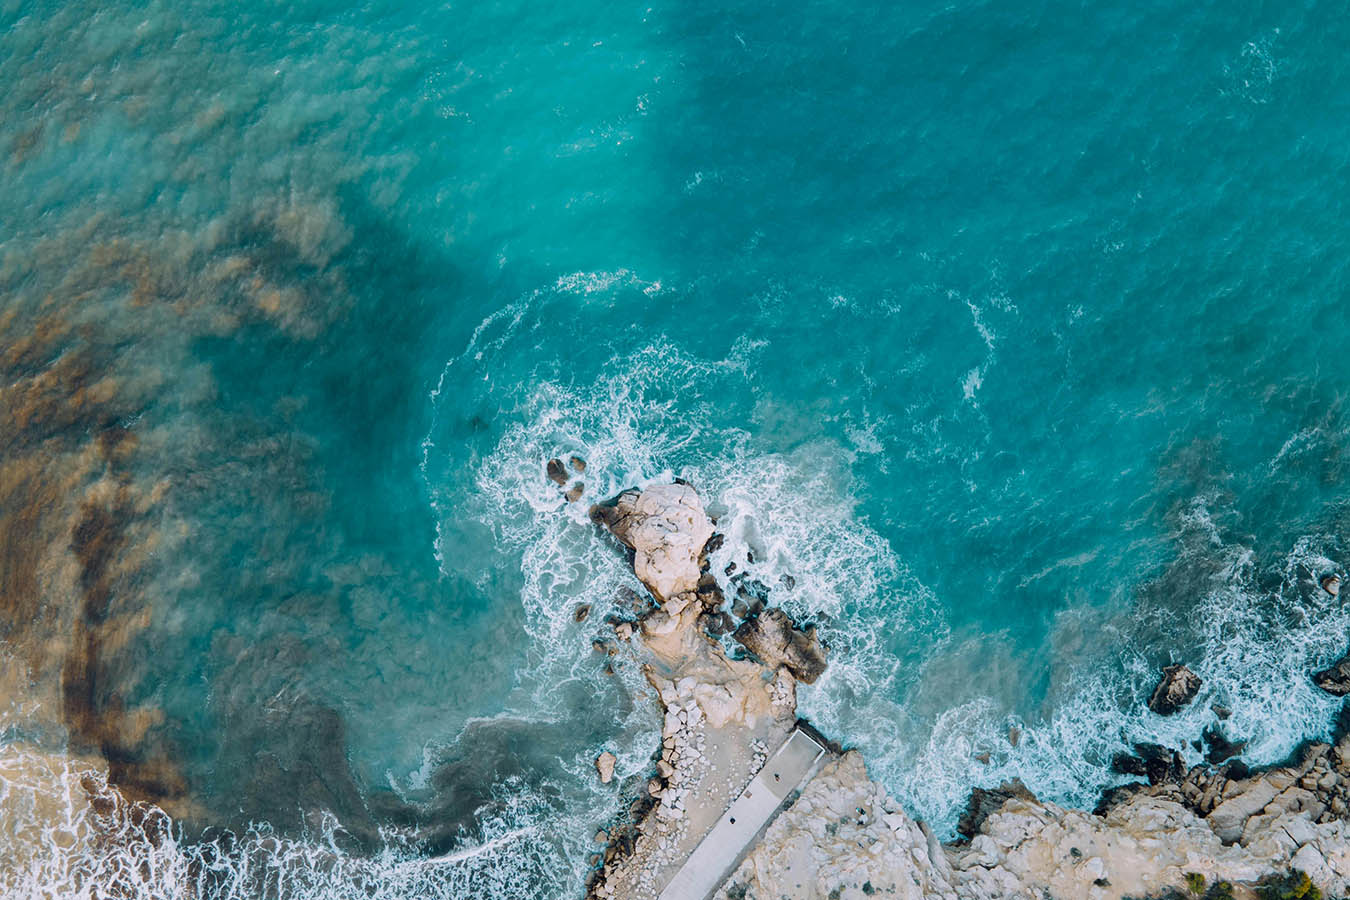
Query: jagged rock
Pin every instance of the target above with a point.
(578, 464)
(581, 613)
(556, 473)
(604, 764)
(1220, 748)
(1153, 761)
(984, 802)
(1128, 764)
(1177, 687)
(1335, 680)
(666, 528)
(1331, 584)
(1230, 816)
(774, 638)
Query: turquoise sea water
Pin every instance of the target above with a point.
(1012, 334)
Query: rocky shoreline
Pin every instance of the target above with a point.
(1218, 829)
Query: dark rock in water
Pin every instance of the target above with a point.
(578, 464)
(556, 473)
(717, 624)
(1115, 796)
(574, 492)
(1161, 764)
(714, 544)
(1220, 748)
(1014, 735)
(1335, 680)
(1236, 770)
(581, 612)
(1222, 712)
(1128, 764)
(1177, 687)
(787, 581)
(630, 601)
(1331, 584)
(712, 624)
(984, 757)
(1153, 761)
(985, 802)
(739, 609)
(754, 594)
(730, 569)
(773, 638)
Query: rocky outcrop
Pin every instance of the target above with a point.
(844, 839)
(774, 638)
(1152, 761)
(1336, 679)
(984, 802)
(1177, 687)
(666, 528)
(720, 714)
(1142, 848)
(604, 764)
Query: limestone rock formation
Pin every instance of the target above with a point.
(774, 638)
(1177, 687)
(720, 714)
(1142, 848)
(666, 528)
(844, 839)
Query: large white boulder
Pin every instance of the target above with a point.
(666, 527)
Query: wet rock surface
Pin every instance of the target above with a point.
(1335, 679)
(666, 528)
(1177, 687)
(984, 802)
(776, 641)
(843, 839)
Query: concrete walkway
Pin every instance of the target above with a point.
(732, 836)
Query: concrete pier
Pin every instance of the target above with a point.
(732, 836)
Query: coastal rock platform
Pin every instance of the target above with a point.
(838, 835)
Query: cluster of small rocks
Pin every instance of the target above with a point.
(783, 692)
(557, 473)
(1238, 803)
(682, 744)
(759, 754)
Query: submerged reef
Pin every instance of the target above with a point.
(1215, 829)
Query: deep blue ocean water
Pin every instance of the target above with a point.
(1013, 333)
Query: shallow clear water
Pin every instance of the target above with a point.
(1011, 333)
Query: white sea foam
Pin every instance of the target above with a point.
(1252, 646)
(54, 844)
